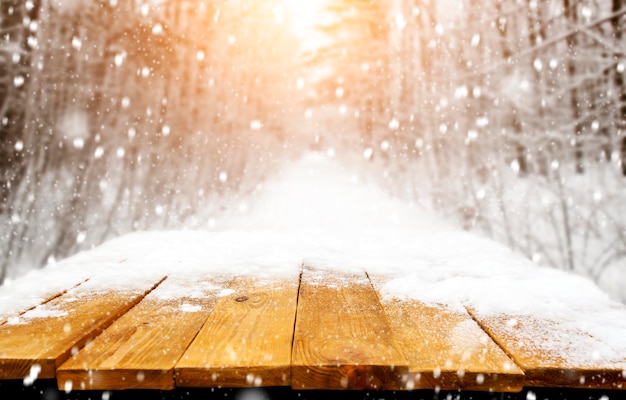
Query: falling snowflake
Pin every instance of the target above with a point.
(256, 125)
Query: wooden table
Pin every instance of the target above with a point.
(320, 328)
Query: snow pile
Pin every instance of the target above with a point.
(319, 213)
(613, 281)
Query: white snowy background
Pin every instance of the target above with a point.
(344, 122)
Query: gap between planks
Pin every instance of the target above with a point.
(342, 339)
(140, 350)
(46, 299)
(35, 347)
(246, 340)
(553, 354)
(445, 348)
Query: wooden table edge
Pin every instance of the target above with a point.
(115, 379)
(233, 377)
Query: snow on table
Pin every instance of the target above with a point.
(325, 283)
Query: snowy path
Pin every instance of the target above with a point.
(318, 195)
(319, 214)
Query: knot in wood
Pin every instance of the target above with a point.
(241, 299)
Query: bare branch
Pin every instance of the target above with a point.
(543, 46)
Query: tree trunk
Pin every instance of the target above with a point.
(516, 123)
(620, 85)
(571, 15)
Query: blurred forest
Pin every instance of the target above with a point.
(508, 116)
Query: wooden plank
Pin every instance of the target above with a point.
(445, 348)
(246, 341)
(140, 350)
(555, 353)
(43, 338)
(342, 338)
(41, 286)
(31, 302)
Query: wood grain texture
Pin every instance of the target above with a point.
(445, 348)
(555, 354)
(46, 336)
(140, 350)
(342, 338)
(246, 341)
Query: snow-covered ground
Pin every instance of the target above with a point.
(317, 212)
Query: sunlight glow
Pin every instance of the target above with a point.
(303, 18)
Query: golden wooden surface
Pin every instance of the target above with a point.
(327, 330)
(46, 336)
(140, 350)
(445, 348)
(246, 341)
(555, 355)
(343, 339)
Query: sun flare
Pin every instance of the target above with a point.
(304, 17)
